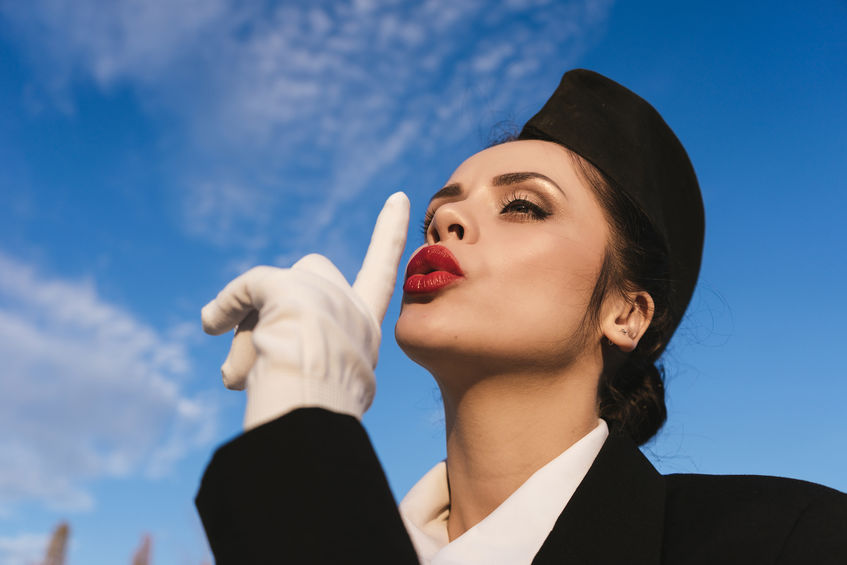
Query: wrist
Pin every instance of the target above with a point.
(271, 398)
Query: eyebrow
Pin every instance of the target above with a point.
(450, 190)
(506, 179)
(515, 178)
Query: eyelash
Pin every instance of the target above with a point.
(430, 214)
(507, 206)
(532, 209)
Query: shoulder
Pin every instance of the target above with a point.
(715, 490)
(781, 520)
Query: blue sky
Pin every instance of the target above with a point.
(150, 151)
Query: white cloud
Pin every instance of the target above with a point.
(326, 89)
(214, 209)
(115, 40)
(89, 392)
(23, 549)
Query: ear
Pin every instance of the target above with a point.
(626, 319)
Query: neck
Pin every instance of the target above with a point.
(502, 428)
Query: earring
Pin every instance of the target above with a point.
(624, 331)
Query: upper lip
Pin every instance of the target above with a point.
(433, 258)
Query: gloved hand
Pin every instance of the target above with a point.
(305, 337)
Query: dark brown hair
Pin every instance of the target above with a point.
(631, 394)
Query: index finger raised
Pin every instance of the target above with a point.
(375, 281)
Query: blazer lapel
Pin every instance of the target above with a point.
(616, 514)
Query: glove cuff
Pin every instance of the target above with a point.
(272, 398)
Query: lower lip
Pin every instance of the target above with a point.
(430, 282)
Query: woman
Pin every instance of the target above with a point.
(555, 270)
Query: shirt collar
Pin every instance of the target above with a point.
(515, 530)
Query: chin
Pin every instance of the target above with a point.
(433, 339)
(443, 346)
(419, 334)
(450, 345)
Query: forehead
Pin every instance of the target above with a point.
(528, 155)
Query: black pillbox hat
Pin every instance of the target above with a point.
(622, 135)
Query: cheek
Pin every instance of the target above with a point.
(553, 273)
(533, 303)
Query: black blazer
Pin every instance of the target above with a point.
(308, 488)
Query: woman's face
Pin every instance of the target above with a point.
(529, 239)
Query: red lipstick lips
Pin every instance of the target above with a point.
(431, 269)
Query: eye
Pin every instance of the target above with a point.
(522, 208)
(426, 222)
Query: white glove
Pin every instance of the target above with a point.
(305, 337)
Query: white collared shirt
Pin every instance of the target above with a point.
(514, 532)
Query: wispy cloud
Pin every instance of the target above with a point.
(330, 93)
(89, 392)
(215, 209)
(23, 549)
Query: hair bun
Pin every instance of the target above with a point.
(633, 401)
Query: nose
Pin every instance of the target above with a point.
(450, 221)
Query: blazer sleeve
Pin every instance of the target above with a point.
(819, 536)
(304, 488)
